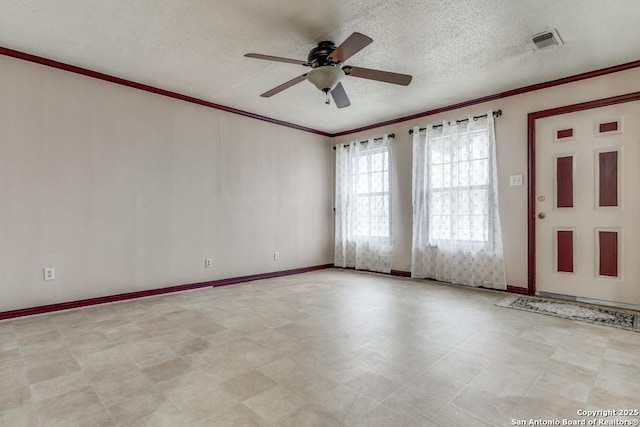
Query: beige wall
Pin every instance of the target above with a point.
(511, 135)
(122, 190)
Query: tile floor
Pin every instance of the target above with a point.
(328, 348)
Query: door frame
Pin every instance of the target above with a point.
(531, 168)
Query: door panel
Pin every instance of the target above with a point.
(588, 204)
(565, 253)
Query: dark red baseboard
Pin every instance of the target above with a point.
(151, 292)
(513, 289)
(517, 290)
(400, 273)
(392, 273)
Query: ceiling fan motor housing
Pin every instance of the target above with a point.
(318, 55)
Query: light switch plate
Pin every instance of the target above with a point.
(515, 180)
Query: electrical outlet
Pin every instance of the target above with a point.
(49, 273)
(276, 255)
(208, 263)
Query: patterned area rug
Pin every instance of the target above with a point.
(599, 315)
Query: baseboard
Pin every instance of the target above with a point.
(400, 273)
(517, 290)
(31, 311)
(392, 272)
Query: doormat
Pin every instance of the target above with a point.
(596, 314)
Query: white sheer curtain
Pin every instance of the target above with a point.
(363, 237)
(456, 223)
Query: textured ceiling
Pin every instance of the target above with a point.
(456, 50)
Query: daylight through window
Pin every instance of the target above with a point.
(459, 188)
(371, 173)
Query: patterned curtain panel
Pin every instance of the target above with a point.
(456, 223)
(363, 237)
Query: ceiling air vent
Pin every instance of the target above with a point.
(546, 40)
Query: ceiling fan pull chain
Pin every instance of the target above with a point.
(328, 101)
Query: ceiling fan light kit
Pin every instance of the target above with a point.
(326, 72)
(325, 77)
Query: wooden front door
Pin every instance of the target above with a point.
(588, 204)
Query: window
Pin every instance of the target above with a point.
(363, 237)
(370, 170)
(459, 175)
(456, 222)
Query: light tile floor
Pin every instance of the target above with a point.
(328, 348)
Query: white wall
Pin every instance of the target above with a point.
(122, 190)
(511, 135)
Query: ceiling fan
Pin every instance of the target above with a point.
(326, 62)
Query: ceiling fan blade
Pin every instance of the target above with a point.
(284, 86)
(382, 76)
(340, 96)
(276, 58)
(352, 45)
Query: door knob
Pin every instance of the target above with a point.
(542, 215)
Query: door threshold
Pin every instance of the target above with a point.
(590, 300)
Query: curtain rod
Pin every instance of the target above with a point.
(391, 135)
(495, 114)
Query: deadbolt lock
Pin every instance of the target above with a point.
(542, 215)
